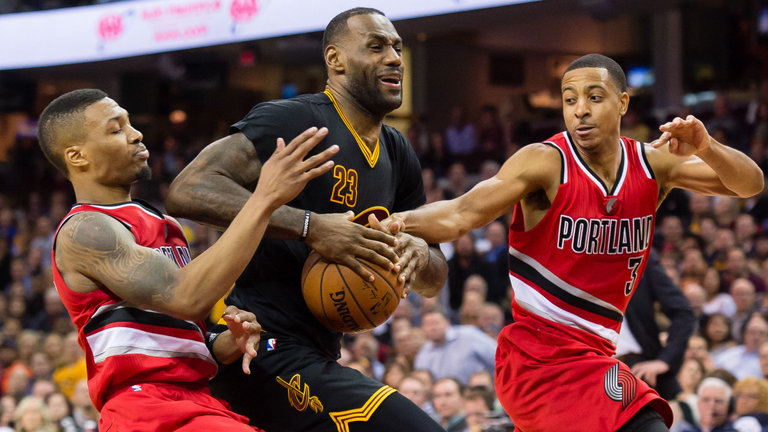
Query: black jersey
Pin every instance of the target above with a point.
(382, 181)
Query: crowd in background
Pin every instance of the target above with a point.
(438, 352)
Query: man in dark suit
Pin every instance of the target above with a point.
(654, 363)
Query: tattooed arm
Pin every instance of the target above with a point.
(214, 187)
(95, 250)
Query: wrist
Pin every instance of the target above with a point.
(305, 225)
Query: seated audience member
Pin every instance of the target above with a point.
(697, 349)
(750, 399)
(690, 375)
(366, 347)
(714, 396)
(742, 360)
(737, 266)
(696, 296)
(478, 407)
(417, 392)
(394, 372)
(743, 294)
(470, 309)
(60, 412)
(449, 405)
(453, 351)
(717, 302)
(762, 356)
(32, 416)
(491, 319)
(717, 332)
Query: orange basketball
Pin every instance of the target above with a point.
(342, 301)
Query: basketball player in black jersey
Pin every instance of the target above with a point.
(295, 383)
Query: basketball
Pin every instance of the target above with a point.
(342, 301)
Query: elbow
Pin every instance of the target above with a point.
(176, 203)
(755, 187)
(192, 310)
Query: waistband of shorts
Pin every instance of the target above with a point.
(183, 386)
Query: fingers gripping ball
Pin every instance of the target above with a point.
(343, 301)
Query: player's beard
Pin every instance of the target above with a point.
(144, 174)
(370, 96)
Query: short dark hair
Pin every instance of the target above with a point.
(601, 61)
(338, 24)
(59, 114)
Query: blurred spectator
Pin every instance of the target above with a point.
(449, 405)
(497, 237)
(743, 360)
(471, 307)
(491, 319)
(8, 408)
(750, 399)
(736, 267)
(85, 414)
(690, 375)
(743, 295)
(52, 314)
(417, 392)
(762, 355)
(456, 181)
(717, 302)
(478, 406)
(717, 333)
(73, 368)
(32, 416)
(723, 120)
(460, 135)
(633, 127)
(394, 372)
(464, 263)
(365, 346)
(490, 135)
(745, 231)
(697, 350)
(436, 158)
(696, 298)
(454, 351)
(41, 366)
(60, 412)
(431, 191)
(714, 395)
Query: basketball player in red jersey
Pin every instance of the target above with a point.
(124, 272)
(584, 204)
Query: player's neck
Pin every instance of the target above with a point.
(100, 194)
(366, 124)
(603, 160)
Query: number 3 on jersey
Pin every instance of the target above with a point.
(634, 265)
(345, 190)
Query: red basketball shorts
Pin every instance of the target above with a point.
(552, 378)
(168, 407)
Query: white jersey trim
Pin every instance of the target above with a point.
(531, 300)
(130, 204)
(595, 180)
(565, 286)
(124, 340)
(640, 153)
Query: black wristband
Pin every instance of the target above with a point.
(305, 230)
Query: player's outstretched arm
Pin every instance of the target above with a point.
(215, 185)
(534, 167)
(95, 250)
(688, 157)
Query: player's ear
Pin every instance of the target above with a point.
(73, 155)
(334, 58)
(624, 103)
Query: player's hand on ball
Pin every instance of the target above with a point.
(246, 331)
(685, 137)
(287, 171)
(337, 239)
(414, 256)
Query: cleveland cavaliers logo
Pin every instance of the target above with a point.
(620, 385)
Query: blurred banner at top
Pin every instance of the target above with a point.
(130, 28)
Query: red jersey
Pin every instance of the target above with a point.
(124, 344)
(573, 275)
(580, 264)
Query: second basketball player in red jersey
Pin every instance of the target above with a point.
(124, 272)
(584, 205)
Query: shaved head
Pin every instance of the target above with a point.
(62, 121)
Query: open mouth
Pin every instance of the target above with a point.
(391, 81)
